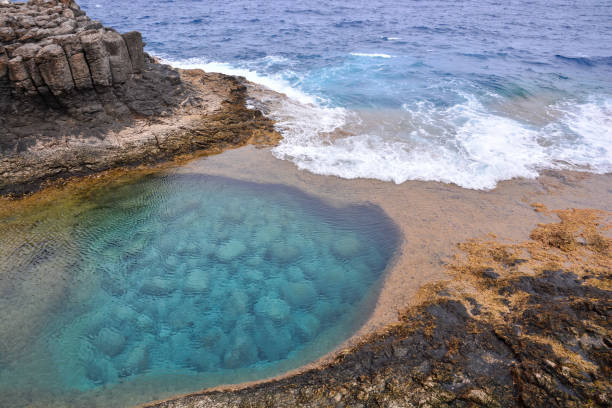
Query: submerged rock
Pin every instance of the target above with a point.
(272, 308)
(101, 371)
(283, 253)
(135, 361)
(231, 250)
(110, 342)
(196, 282)
(346, 248)
(242, 352)
(299, 294)
(157, 286)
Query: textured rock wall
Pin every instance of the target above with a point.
(49, 48)
(64, 75)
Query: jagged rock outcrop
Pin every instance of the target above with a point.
(77, 97)
(49, 48)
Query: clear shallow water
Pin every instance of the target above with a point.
(172, 284)
(469, 93)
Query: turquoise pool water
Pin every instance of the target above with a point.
(181, 282)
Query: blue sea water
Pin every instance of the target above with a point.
(180, 282)
(470, 92)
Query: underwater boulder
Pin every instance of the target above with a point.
(196, 282)
(202, 360)
(157, 286)
(283, 253)
(306, 326)
(145, 323)
(299, 294)
(274, 343)
(231, 250)
(331, 281)
(235, 306)
(110, 342)
(272, 308)
(266, 235)
(346, 248)
(241, 353)
(295, 274)
(211, 337)
(134, 362)
(324, 311)
(181, 347)
(101, 371)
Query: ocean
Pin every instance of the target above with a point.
(470, 93)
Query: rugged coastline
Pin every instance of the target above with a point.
(78, 98)
(521, 324)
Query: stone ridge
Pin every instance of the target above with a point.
(49, 48)
(62, 69)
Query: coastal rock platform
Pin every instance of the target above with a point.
(77, 98)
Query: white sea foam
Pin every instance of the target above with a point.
(274, 82)
(465, 144)
(374, 55)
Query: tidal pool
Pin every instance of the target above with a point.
(167, 284)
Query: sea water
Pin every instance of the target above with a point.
(174, 283)
(470, 92)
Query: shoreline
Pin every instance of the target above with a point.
(447, 217)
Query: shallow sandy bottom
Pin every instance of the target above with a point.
(433, 217)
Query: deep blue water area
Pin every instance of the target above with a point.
(189, 281)
(470, 92)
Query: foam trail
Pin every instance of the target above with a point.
(274, 82)
(374, 55)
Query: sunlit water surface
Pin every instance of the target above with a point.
(169, 284)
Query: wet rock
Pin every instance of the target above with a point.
(157, 286)
(135, 361)
(196, 281)
(283, 253)
(231, 250)
(272, 308)
(346, 247)
(241, 353)
(110, 342)
(306, 326)
(203, 360)
(101, 371)
(299, 294)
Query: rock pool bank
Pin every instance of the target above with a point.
(522, 324)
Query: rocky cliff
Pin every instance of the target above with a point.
(77, 97)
